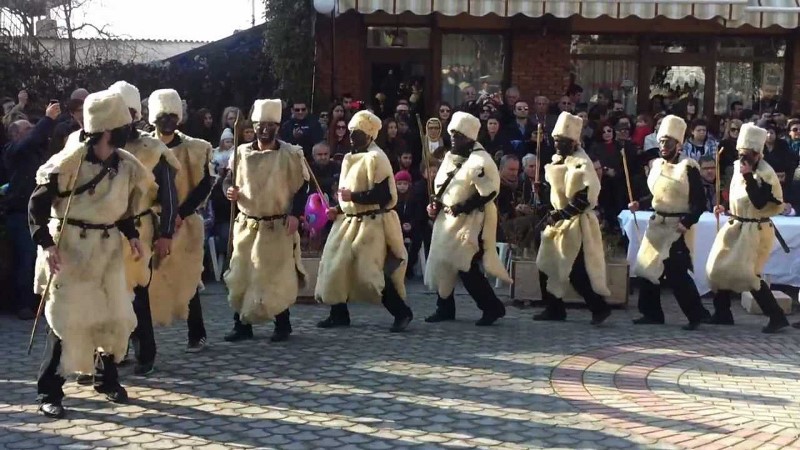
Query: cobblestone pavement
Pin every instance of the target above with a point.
(517, 385)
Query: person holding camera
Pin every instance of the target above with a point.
(302, 129)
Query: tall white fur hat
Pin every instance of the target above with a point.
(164, 101)
(130, 93)
(751, 137)
(674, 127)
(367, 122)
(269, 110)
(568, 126)
(466, 124)
(104, 111)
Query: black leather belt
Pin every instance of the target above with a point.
(666, 214)
(137, 219)
(778, 235)
(748, 220)
(257, 220)
(84, 226)
(371, 214)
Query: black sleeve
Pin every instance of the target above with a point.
(167, 197)
(577, 205)
(378, 195)
(697, 198)
(299, 200)
(759, 195)
(471, 204)
(39, 212)
(128, 228)
(198, 195)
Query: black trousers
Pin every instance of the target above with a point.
(478, 287)
(282, 323)
(390, 299)
(195, 323)
(144, 341)
(763, 296)
(676, 275)
(579, 279)
(50, 383)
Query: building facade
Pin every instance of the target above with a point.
(641, 51)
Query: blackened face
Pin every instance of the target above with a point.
(119, 136)
(667, 148)
(359, 139)
(166, 124)
(565, 146)
(461, 142)
(267, 131)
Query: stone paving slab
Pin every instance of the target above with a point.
(517, 385)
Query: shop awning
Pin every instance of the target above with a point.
(735, 13)
(765, 13)
(618, 9)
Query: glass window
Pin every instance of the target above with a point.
(740, 48)
(678, 45)
(593, 44)
(601, 78)
(758, 86)
(471, 65)
(393, 37)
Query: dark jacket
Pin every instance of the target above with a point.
(312, 133)
(22, 159)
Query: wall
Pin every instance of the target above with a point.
(349, 61)
(123, 50)
(540, 64)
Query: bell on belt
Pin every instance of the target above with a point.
(254, 225)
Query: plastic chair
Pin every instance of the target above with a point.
(216, 264)
(504, 251)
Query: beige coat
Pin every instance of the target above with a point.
(148, 150)
(357, 250)
(741, 250)
(89, 306)
(266, 271)
(669, 184)
(562, 241)
(455, 239)
(177, 277)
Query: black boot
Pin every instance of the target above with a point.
(599, 317)
(722, 309)
(339, 317)
(401, 323)
(52, 410)
(796, 325)
(240, 331)
(445, 310)
(644, 320)
(766, 301)
(489, 317)
(283, 327)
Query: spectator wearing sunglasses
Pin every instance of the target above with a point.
(301, 129)
(728, 145)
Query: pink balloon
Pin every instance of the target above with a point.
(316, 216)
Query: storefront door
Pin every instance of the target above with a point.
(680, 88)
(397, 74)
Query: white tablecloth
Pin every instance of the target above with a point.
(782, 268)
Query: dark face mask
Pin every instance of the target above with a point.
(119, 136)
(748, 158)
(667, 149)
(266, 132)
(166, 124)
(565, 147)
(359, 139)
(462, 145)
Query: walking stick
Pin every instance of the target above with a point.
(718, 187)
(630, 191)
(316, 183)
(51, 275)
(536, 199)
(234, 165)
(423, 137)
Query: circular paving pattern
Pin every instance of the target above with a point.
(712, 394)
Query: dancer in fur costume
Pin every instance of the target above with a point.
(666, 251)
(270, 189)
(176, 278)
(572, 246)
(465, 225)
(89, 303)
(364, 258)
(742, 247)
(155, 222)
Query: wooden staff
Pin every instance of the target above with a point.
(51, 275)
(316, 183)
(234, 165)
(718, 186)
(536, 199)
(630, 190)
(425, 157)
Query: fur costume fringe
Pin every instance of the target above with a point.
(358, 251)
(177, 277)
(266, 270)
(89, 306)
(741, 250)
(669, 184)
(456, 239)
(562, 241)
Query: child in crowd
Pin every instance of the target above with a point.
(421, 224)
(406, 163)
(404, 205)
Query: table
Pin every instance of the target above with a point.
(782, 268)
